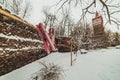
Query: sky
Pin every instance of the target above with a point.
(38, 5)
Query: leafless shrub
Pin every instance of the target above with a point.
(49, 71)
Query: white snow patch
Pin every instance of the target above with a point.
(19, 38)
(118, 47)
(25, 48)
(1, 49)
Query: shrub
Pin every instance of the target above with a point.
(49, 71)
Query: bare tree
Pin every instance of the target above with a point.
(66, 22)
(116, 39)
(83, 36)
(108, 8)
(109, 37)
(26, 9)
(49, 17)
(19, 7)
(15, 6)
(2, 1)
(63, 22)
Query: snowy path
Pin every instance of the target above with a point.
(101, 64)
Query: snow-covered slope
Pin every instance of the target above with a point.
(103, 64)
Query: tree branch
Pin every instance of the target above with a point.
(108, 13)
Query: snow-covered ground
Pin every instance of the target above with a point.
(101, 64)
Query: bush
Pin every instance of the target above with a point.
(49, 71)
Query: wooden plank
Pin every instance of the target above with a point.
(6, 13)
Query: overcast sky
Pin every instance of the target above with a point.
(38, 5)
(37, 15)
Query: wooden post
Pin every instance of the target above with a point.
(71, 52)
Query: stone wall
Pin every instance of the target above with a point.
(19, 44)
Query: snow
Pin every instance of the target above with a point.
(25, 48)
(83, 51)
(100, 64)
(118, 47)
(19, 38)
